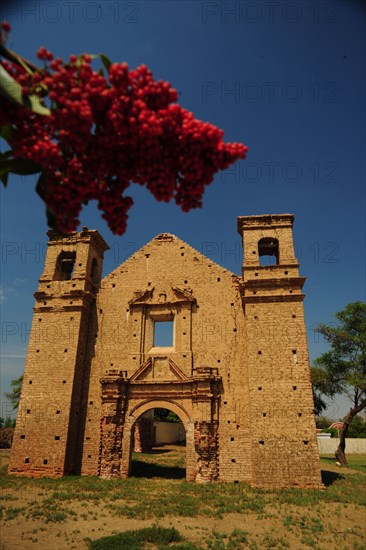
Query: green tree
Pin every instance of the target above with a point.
(357, 427)
(14, 394)
(342, 369)
(8, 422)
(323, 422)
(165, 415)
(322, 386)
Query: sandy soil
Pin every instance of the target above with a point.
(344, 525)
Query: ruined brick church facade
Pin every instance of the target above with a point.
(236, 372)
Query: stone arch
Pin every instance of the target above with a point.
(173, 406)
(133, 415)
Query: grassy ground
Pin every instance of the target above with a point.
(355, 462)
(73, 511)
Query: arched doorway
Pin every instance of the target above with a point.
(128, 435)
(195, 400)
(158, 445)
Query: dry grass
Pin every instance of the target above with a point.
(67, 512)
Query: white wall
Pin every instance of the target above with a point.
(169, 432)
(353, 445)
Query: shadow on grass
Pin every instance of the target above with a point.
(135, 539)
(157, 451)
(144, 469)
(329, 477)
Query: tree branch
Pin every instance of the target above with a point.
(340, 452)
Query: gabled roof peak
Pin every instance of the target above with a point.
(165, 237)
(169, 239)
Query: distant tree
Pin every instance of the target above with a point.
(332, 431)
(160, 414)
(172, 417)
(14, 394)
(7, 422)
(342, 369)
(165, 415)
(322, 386)
(323, 422)
(357, 427)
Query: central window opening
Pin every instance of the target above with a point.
(163, 334)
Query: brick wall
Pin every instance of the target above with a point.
(237, 372)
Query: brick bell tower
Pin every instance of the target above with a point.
(50, 421)
(282, 426)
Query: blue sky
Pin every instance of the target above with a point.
(287, 78)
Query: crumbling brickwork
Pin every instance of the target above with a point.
(236, 371)
(143, 434)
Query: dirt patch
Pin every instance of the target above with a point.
(274, 530)
(284, 521)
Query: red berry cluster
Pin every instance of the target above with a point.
(104, 133)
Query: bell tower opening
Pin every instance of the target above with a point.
(268, 251)
(57, 369)
(65, 266)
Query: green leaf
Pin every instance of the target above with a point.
(6, 155)
(13, 92)
(3, 173)
(51, 220)
(79, 58)
(18, 166)
(101, 72)
(6, 132)
(4, 178)
(23, 64)
(18, 59)
(33, 102)
(106, 61)
(41, 185)
(9, 164)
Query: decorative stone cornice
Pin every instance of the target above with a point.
(86, 235)
(255, 299)
(275, 284)
(264, 221)
(166, 297)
